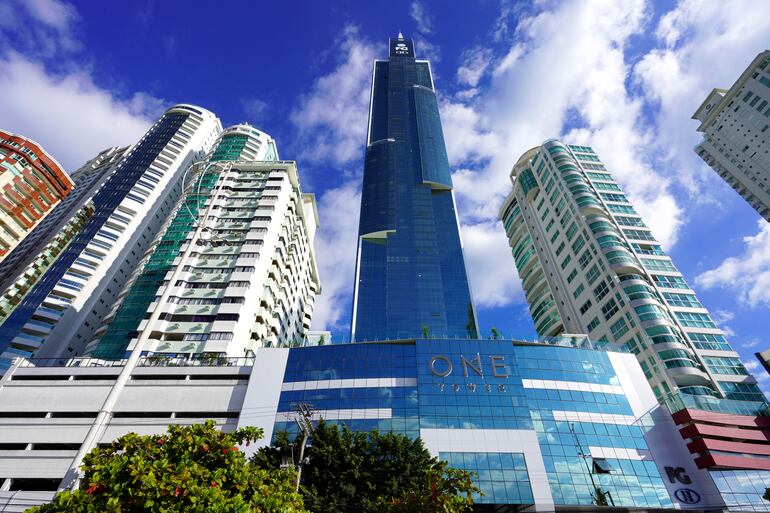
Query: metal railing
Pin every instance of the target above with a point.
(198, 360)
(154, 360)
(70, 362)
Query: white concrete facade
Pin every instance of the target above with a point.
(736, 134)
(72, 311)
(246, 275)
(589, 264)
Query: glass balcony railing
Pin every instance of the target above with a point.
(679, 401)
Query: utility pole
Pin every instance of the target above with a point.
(304, 420)
(597, 489)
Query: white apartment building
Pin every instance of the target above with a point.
(589, 264)
(66, 305)
(234, 268)
(736, 133)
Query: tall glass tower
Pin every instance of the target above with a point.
(410, 273)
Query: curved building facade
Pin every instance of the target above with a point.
(233, 269)
(32, 183)
(58, 316)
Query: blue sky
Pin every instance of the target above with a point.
(621, 76)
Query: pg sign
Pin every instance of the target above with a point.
(684, 495)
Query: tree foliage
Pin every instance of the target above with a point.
(371, 472)
(188, 469)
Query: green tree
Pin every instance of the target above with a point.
(425, 331)
(766, 496)
(188, 469)
(495, 333)
(371, 472)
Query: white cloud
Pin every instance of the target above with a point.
(475, 63)
(68, 114)
(563, 68)
(494, 281)
(421, 17)
(39, 27)
(336, 245)
(255, 109)
(332, 117)
(746, 275)
(751, 365)
(701, 45)
(722, 318)
(754, 342)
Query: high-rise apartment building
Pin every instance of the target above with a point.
(63, 309)
(410, 274)
(589, 264)
(233, 270)
(32, 183)
(736, 133)
(29, 260)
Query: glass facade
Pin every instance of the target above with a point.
(742, 490)
(105, 201)
(143, 291)
(411, 279)
(569, 400)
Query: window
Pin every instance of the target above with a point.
(609, 309)
(593, 324)
(652, 264)
(592, 274)
(572, 276)
(579, 242)
(586, 306)
(560, 249)
(585, 258)
(607, 186)
(695, 320)
(579, 290)
(566, 262)
(601, 290)
(639, 235)
(725, 365)
(621, 209)
(630, 221)
(709, 341)
(613, 197)
(571, 230)
(671, 282)
(742, 391)
(619, 329)
(676, 299)
(555, 235)
(648, 312)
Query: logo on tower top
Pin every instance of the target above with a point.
(401, 49)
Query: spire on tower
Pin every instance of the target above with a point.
(400, 35)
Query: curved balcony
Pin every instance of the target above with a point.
(529, 185)
(588, 204)
(622, 263)
(688, 376)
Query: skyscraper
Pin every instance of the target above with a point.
(32, 183)
(736, 133)
(29, 260)
(411, 279)
(589, 264)
(233, 270)
(67, 303)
